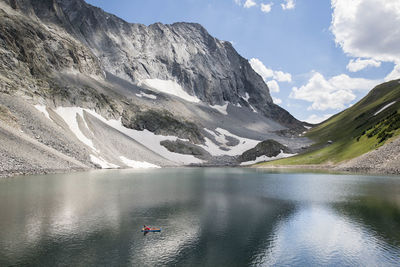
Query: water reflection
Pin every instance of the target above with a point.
(320, 236)
(210, 217)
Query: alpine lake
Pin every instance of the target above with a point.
(208, 217)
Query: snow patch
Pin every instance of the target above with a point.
(385, 107)
(169, 87)
(246, 98)
(102, 162)
(266, 158)
(220, 138)
(307, 127)
(222, 109)
(137, 164)
(43, 109)
(221, 134)
(146, 138)
(253, 109)
(69, 115)
(146, 95)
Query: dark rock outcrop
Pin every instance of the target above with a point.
(269, 148)
(185, 148)
(163, 123)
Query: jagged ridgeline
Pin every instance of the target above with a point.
(125, 93)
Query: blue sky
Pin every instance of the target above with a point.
(302, 48)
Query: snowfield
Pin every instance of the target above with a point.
(103, 163)
(70, 116)
(220, 136)
(150, 96)
(146, 138)
(169, 87)
(43, 109)
(76, 122)
(137, 164)
(221, 108)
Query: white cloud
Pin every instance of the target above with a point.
(368, 28)
(238, 2)
(260, 68)
(282, 76)
(360, 64)
(314, 119)
(266, 8)
(266, 73)
(394, 75)
(277, 100)
(249, 3)
(273, 86)
(289, 4)
(335, 93)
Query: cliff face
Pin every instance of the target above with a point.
(31, 52)
(186, 53)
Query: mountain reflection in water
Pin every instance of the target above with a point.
(209, 217)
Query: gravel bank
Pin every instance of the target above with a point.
(384, 160)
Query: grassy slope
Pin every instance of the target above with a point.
(354, 131)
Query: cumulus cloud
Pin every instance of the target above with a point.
(277, 100)
(335, 93)
(360, 64)
(314, 119)
(266, 8)
(249, 3)
(368, 28)
(267, 73)
(273, 86)
(288, 4)
(282, 76)
(394, 75)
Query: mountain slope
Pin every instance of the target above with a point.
(205, 67)
(366, 126)
(128, 95)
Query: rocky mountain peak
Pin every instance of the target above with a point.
(206, 68)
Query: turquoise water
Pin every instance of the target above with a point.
(209, 217)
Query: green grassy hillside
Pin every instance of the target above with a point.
(354, 131)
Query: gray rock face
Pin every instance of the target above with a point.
(30, 53)
(204, 66)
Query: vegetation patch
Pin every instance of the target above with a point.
(385, 129)
(355, 131)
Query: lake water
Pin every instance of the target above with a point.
(209, 217)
